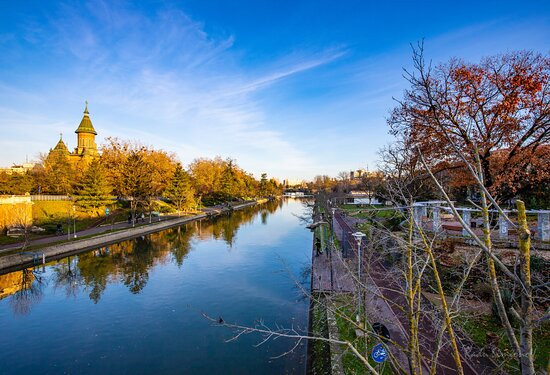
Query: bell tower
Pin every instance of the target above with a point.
(86, 135)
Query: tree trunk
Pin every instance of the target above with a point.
(526, 326)
(413, 332)
(486, 170)
(497, 297)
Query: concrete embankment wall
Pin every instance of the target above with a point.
(17, 261)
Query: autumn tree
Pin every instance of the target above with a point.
(221, 180)
(136, 180)
(228, 181)
(161, 166)
(206, 174)
(273, 188)
(16, 183)
(58, 174)
(323, 183)
(467, 114)
(263, 184)
(249, 185)
(94, 190)
(497, 110)
(113, 157)
(180, 191)
(137, 172)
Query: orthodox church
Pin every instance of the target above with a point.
(86, 149)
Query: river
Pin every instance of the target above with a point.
(136, 307)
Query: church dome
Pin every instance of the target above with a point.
(86, 124)
(61, 147)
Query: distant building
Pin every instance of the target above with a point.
(361, 197)
(293, 183)
(86, 149)
(357, 174)
(18, 168)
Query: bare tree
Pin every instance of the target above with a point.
(437, 117)
(22, 214)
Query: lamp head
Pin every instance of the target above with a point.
(358, 235)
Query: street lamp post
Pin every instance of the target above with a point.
(358, 237)
(332, 229)
(74, 221)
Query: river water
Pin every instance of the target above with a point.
(136, 307)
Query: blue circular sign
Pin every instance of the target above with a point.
(379, 353)
(107, 211)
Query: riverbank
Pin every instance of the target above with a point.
(20, 260)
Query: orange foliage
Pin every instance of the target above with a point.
(498, 109)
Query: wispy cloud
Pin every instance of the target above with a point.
(314, 103)
(161, 77)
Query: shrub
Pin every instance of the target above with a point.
(483, 290)
(507, 300)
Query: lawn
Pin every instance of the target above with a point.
(319, 350)
(477, 327)
(352, 364)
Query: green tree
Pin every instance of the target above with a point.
(58, 174)
(180, 190)
(137, 180)
(16, 183)
(94, 191)
(228, 183)
(263, 185)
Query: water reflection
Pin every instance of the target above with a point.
(128, 262)
(66, 275)
(26, 289)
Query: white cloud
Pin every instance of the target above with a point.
(161, 79)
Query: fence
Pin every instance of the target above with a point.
(347, 241)
(42, 197)
(421, 210)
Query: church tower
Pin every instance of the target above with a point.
(86, 136)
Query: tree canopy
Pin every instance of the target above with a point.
(497, 110)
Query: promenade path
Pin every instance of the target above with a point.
(46, 240)
(383, 304)
(20, 259)
(52, 239)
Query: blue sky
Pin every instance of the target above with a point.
(292, 88)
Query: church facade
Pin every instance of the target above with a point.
(86, 149)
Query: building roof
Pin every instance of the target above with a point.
(60, 146)
(86, 124)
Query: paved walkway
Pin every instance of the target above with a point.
(46, 240)
(86, 232)
(11, 262)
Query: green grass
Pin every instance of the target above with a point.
(319, 350)
(371, 211)
(350, 362)
(477, 326)
(45, 211)
(5, 240)
(359, 206)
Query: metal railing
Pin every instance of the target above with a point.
(46, 197)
